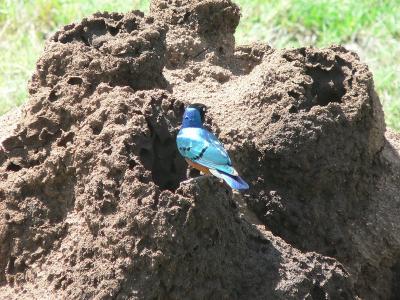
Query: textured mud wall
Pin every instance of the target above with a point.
(94, 198)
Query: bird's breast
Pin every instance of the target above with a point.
(199, 167)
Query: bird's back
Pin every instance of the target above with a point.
(202, 147)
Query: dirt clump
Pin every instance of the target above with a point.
(95, 201)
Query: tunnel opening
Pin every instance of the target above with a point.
(327, 86)
(159, 153)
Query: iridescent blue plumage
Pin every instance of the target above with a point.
(202, 147)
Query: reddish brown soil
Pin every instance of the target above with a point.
(94, 197)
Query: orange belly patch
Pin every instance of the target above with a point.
(201, 168)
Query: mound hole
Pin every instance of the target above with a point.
(167, 167)
(96, 127)
(147, 158)
(317, 293)
(75, 81)
(113, 30)
(11, 265)
(131, 164)
(328, 86)
(92, 30)
(162, 158)
(13, 167)
(53, 96)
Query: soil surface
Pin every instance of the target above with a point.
(95, 202)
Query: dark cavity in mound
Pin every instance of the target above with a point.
(160, 154)
(327, 85)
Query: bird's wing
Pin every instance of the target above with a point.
(203, 147)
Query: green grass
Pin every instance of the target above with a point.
(24, 26)
(367, 26)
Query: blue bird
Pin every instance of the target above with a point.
(203, 151)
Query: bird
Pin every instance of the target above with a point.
(203, 151)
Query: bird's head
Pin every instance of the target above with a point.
(194, 115)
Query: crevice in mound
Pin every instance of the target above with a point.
(11, 265)
(97, 127)
(328, 85)
(13, 167)
(317, 293)
(166, 165)
(75, 80)
(161, 157)
(53, 96)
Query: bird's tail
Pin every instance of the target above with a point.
(235, 182)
